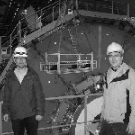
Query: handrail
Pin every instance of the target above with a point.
(85, 96)
(32, 14)
(116, 8)
(55, 15)
(48, 7)
(1, 117)
(14, 35)
(62, 65)
(86, 6)
(111, 7)
(23, 19)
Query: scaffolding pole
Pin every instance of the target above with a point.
(0, 51)
(99, 46)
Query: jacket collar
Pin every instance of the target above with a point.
(114, 74)
(28, 75)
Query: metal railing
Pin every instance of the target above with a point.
(46, 15)
(51, 13)
(59, 63)
(15, 35)
(112, 7)
(85, 122)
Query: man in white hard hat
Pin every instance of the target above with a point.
(118, 110)
(24, 100)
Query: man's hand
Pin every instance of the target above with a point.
(39, 117)
(130, 129)
(6, 117)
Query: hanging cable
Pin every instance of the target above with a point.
(75, 23)
(72, 38)
(61, 32)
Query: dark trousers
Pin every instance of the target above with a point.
(113, 128)
(29, 123)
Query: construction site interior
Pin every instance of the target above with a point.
(66, 43)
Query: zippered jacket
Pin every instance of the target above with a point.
(117, 86)
(25, 99)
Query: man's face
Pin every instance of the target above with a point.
(115, 59)
(21, 62)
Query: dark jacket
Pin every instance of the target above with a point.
(25, 99)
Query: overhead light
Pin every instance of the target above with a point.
(70, 12)
(49, 81)
(25, 11)
(10, 4)
(17, 9)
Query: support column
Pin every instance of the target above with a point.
(77, 4)
(1, 48)
(19, 31)
(112, 7)
(85, 112)
(99, 46)
(0, 51)
(128, 10)
(1, 117)
(53, 14)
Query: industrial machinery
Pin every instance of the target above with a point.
(70, 111)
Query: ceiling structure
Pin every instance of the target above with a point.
(10, 11)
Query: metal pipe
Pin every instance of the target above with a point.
(53, 14)
(0, 49)
(85, 112)
(72, 96)
(112, 7)
(60, 97)
(58, 63)
(77, 4)
(40, 19)
(59, 7)
(128, 10)
(99, 46)
(92, 68)
(19, 31)
(1, 118)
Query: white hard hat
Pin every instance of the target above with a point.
(20, 52)
(114, 47)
